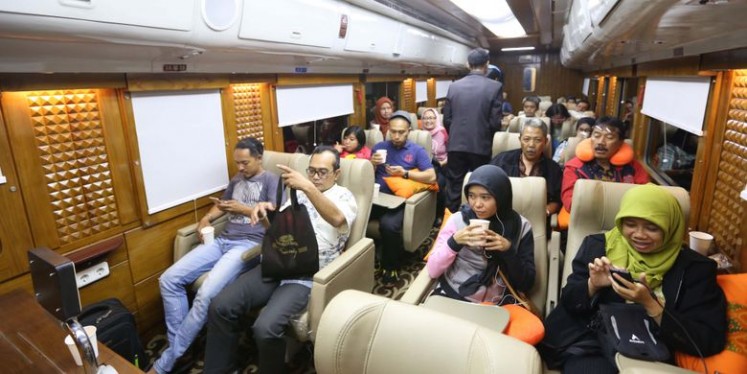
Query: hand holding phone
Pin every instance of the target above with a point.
(623, 274)
(215, 199)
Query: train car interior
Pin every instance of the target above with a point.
(119, 126)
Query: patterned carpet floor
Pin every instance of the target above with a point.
(303, 361)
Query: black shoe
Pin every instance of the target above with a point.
(438, 222)
(389, 277)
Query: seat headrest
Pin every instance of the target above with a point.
(364, 333)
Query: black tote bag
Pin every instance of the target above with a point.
(289, 248)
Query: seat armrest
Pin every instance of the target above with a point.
(353, 269)
(553, 272)
(632, 366)
(419, 289)
(251, 253)
(187, 239)
(420, 213)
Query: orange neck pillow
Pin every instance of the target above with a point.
(623, 156)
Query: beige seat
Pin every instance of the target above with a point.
(369, 334)
(569, 128)
(529, 200)
(420, 208)
(598, 203)
(353, 269)
(515, 124)
(373, 136)
(506, 141)
(544, 105)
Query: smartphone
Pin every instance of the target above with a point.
(623, 273)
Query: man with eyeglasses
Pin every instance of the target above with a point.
(403, 159)
(530, 161)
(332, 209)
(605, 158)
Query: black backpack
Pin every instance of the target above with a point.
(115, 328)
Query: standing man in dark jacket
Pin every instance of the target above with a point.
(472, 114)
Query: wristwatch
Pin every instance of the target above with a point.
(406, 175)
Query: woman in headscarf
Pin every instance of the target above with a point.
(431, 121)
(467, 259)
(383, 110)
(647, 242)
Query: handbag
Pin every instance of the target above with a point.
(627, 329)
(289, 247)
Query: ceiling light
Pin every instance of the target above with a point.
(495, 15)
(517, 49)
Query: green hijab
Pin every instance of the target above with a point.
(658, 206)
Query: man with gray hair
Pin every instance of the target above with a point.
(472, 113)
(530, 161)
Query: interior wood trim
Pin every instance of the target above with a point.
(271, 119)
(315, 79)
(714, 148)
(716, 114)
(34, 81)
(384, 78)
(230, 131)
(137, 82)
(689, 65)
(95, 250)
(252, 78)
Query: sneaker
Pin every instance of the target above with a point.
(389, 276)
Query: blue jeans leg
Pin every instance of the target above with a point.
(225, 265)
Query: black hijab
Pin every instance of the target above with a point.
(505, 222)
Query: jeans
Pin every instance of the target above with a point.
(227, 313)
(223, 259)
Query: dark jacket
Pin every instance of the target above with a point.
(691, 293)
(472, 114)
(549, 169)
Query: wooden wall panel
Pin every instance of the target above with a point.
(60, 141)
(149, 303)
(15, 234)
(407, 95)
(552, 77)
(725, 210)
(117, 284)
(151, 249)
(601, 96)
(612, 98)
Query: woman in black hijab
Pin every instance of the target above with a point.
(468, 260)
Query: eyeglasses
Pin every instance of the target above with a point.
(321, 173)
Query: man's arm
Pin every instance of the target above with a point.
(496, 110)
(326, 208)
(447, 114)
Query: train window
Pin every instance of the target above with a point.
(304, 137)
(376, 90)
(670, 152)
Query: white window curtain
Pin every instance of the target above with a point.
(678, 101)
(308, 103)
(421, 91)
(182, 146)
(442, 88)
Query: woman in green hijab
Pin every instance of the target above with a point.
(647, 242)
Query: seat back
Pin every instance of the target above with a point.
(570, 149)
(569, 128)
(373, 136)
(357, 175)
(595, 205)
(530, 200)
(515, 124)
(421, 138)
(544, 105)
(362, 333)
(506, 141)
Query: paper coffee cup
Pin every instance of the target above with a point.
(382, 152)
(208, 234)
(91, 332)
(484, 225)
(700, 242)
(377, 187)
